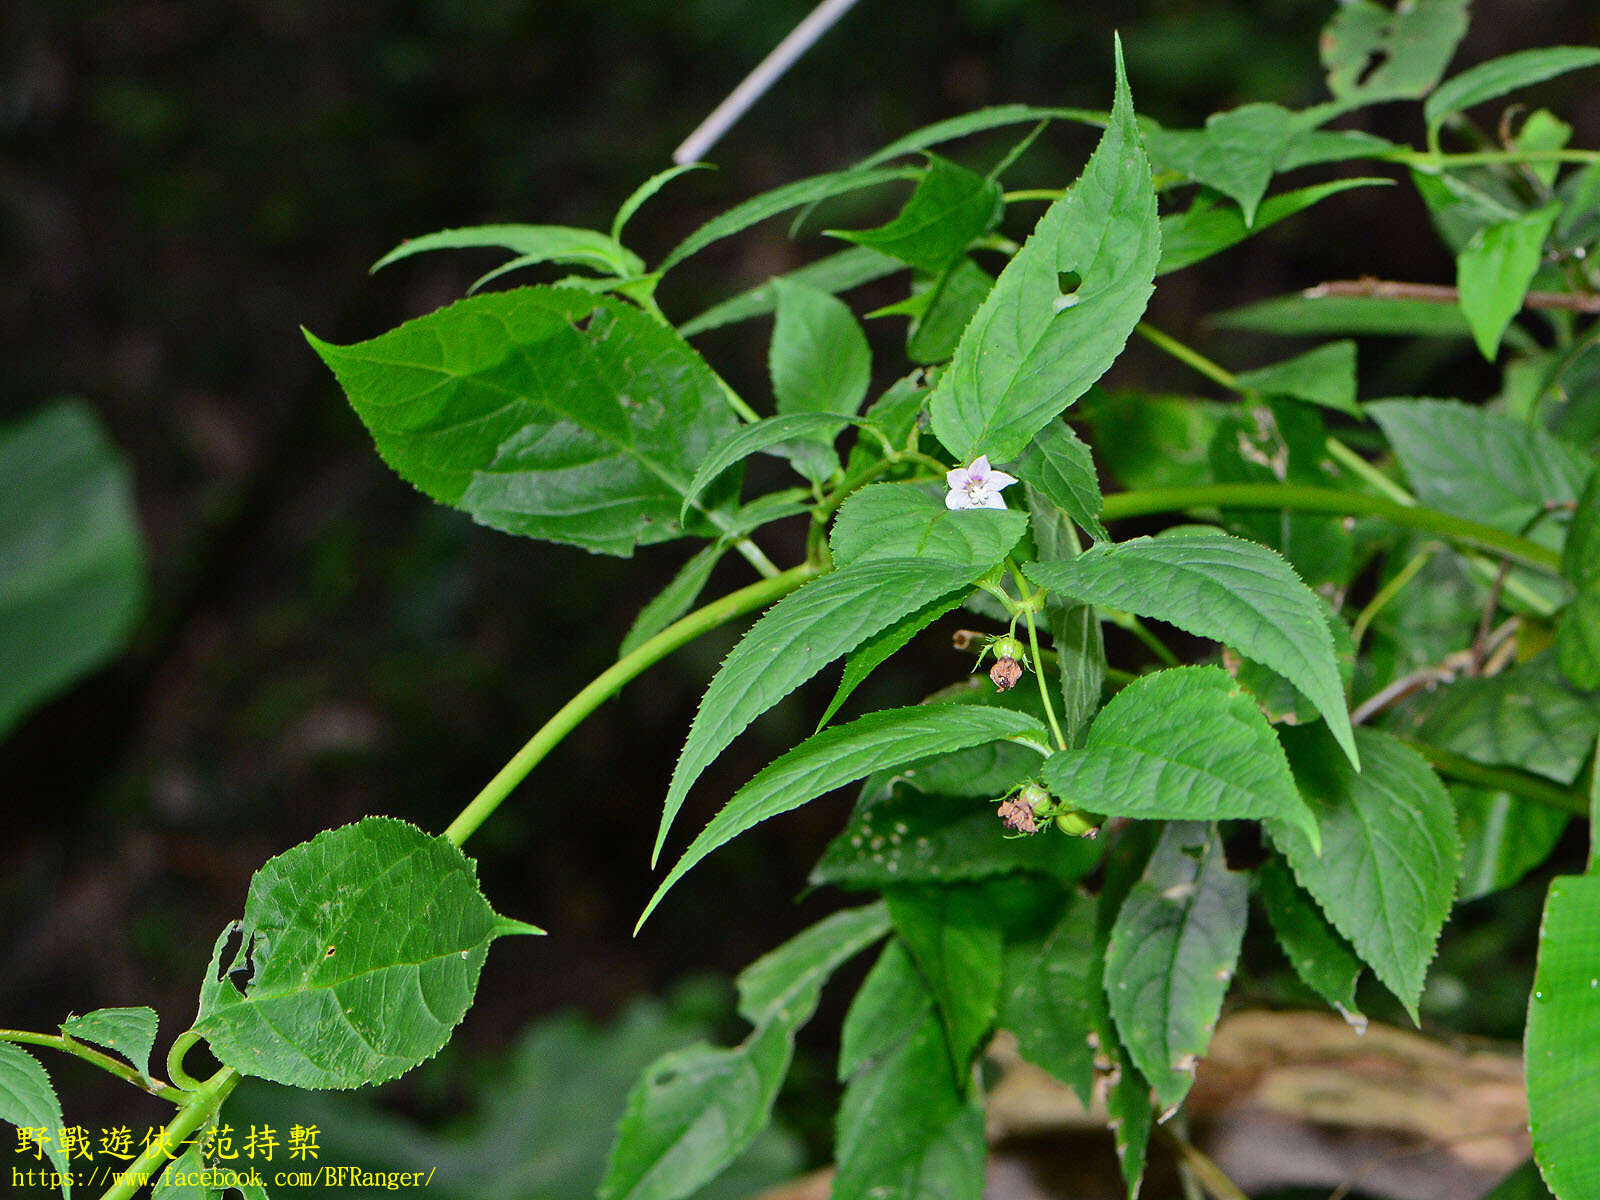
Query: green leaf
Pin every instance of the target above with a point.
(1563, 1030)
(1052, 988)
(1208, 228)
(541, 411)
(758, 436)
(29, 1102)
(835, 757)
(1501, 75)
(950, 207)
(1480, 464)
(1525, 1183)
(673, 600)
(836, 273)
(978, 121)
(819, 363)
(1494, 271)
(795, 639)
(131, 1032)
(1182, 744)
(1325, 376)
(1320, 957)
(877, 649)
(1217, 587)
(1526, 716)
(1031, 351)
(946, 311)
(1390, 853)
(1578, 636)
(778, 200)
(692, 1114)
(899, 520)
(1237, 152)
(1376, 52)
(696, 1110)
(907, 830)
(1172, 954)
(1061, 467)
(892, 999)
(647, 189)
(819, 359)
(358, 954)
(789, 979)
(1319, 316)
(531, 243)
(955, 941)
(1146, 440)
(1580, 554)
(72, 571)
(182, 1178)
(907, 1127)
(1502, 838)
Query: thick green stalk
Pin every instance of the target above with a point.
(199, 1108)
(609, 682)
(70, 1045)
(1296, 497)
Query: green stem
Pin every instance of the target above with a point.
(1303, 498)
(1033, 194)
(1482, 158)
(71, 1045)
(1358, 466)
(609, 682)
(1358, 629)
(757, 558)
(1501, 779)
(1188, 356)
(1033, 648)
(199, 1108)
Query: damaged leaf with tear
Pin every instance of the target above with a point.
(358, 954)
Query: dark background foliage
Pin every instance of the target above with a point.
(183, 184)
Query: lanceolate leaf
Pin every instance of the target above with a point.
(1052, 988)
(357, 956)
(794, 640)
(1031, 351)
(1387, 871)
(900, 520)
(130, 1032)
(1319, 316)
(1482, 465)
(835, 757)
(1494, 270)
(647, 189)
(955, 942)
(1172, 954)
(542, 411)
(1322, 959)
(1238, 151)
(1183, 744)
(770, 204)
(996, 117)
(1502, 838)
(1563, 1030)
(836, 273)
(1325, 376)
(786, 981)
(1208, 228)
(673, 600)
(950, 208)
(72, 572)
(892, 999)
(1501, 75)
(1058, 464)
(530, 243)
(696, 1110)
(1218, 587)
(1527, 716)
(29, 1102)
(908, 1127)
(877, 649)
(755, 437)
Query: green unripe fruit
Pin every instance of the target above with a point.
(1078, 824)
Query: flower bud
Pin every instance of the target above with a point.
(1078, 824)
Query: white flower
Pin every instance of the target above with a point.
(977, 486)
